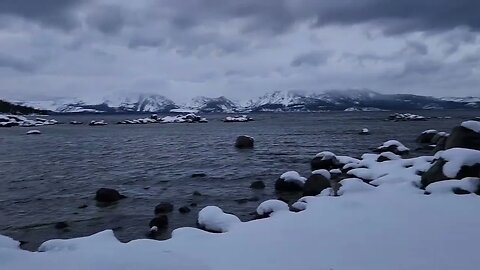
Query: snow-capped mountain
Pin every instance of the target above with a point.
(351, 100)
(217, 105)
(277, 101)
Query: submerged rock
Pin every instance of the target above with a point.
(244, 142)
(184, 210)
(108, 195)
(257, 185)
(61, 225)
(163, 208)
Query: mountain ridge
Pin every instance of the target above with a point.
(275, 101)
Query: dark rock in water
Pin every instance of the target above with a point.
(325, 163)
(257, 185)
(462, 137)
(315, 184)
(193, 204)
(82, 206)
(108, 195)
(159, 222)
(290, 186)
(163, 208)
(195, 175)
(184, 209)
(283, 199)
(61, 225)
(244, 201)
(196, 193)
(364, 131)
(426, 136)
(244, 142)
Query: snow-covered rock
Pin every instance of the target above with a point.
(393, 146)
(241, 118)
(290, 181)
(464, 136)
(213, 219)
(22, 121)
(98, 123)
(364, 131)
(316, 183)
(34, 132)
(406, 117)
(465, 185)
(187, 118)
(269, 207)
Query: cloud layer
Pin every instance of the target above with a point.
(92, 49)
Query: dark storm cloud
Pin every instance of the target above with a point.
(107, 19)
(16, 63)
(314, 58)
(56, 13)
(280, 15)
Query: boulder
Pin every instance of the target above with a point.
(159, 222)
(393, 146)
(315, 184)
(290, 181)
(326, 161)
(108, 195)
(257, 185)
(244, 142)
(364, 131)
(163, 208)
(34, 132)
(463, 137)
(426, 136)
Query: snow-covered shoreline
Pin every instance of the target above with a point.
(390, 213)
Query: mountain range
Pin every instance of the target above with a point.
(277, 101)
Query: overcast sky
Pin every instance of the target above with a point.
(237, 48)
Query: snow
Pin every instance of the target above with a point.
(472, 125)
(456, 158)
(399, 145)
(387, 227)
(7, 242)
(293, 176)
(430, 131)
(271, 206)
(470, 184)
(390, 155)
(323, 173)
(325, 155)
(214, 219)
(335, 171)
(183, 111)
(34, 132)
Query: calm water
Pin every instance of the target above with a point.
(44, 179)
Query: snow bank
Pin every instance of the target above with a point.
(391, 227)
(7, 242)
(212, 218)
(271, 206)
(472, 125)
(293, 176)
(456, 158)
(470, 184)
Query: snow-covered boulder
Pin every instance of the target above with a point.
(463, 186)
(406, 117)
(34, 132)
(213, 219)
(426, 136)
(18, 120)
(244, 141)
(393, 146)
(76, 123)
(325, 160)
(454, 163)
(187, 118)
(97, 123)
(385, 156)
(266, 208)
(290, 181)
(364, 131)
(147, 120)
(241, 118)
(316, 183)
(467, 135)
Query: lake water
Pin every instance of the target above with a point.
(44, 179)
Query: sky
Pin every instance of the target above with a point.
(237, 48)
